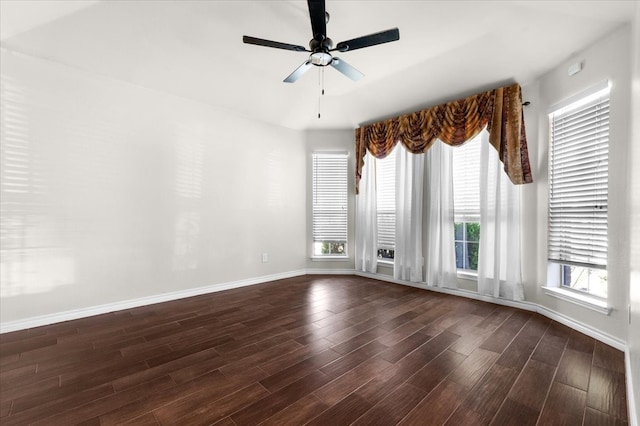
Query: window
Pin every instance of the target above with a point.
(329, 204)
(386, 206)
(466, 200)
(578, 193)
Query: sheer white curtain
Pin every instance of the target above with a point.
(408, 260)
(499, 263)
(440, 262)
(366, 219)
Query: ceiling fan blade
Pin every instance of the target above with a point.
(269, 43)
(369, 40)
(346, 69)
(294, 76)
(318, 18)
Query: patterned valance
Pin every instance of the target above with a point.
(454, 123)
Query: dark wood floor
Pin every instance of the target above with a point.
(311, 350)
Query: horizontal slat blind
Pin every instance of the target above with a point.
(329, 197)
(386, 200)
(578, 182)
(466, 181)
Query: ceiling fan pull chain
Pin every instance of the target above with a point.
(321, 84)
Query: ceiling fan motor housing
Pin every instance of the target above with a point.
(320, 43)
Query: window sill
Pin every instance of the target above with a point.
(583, 300)
(329, 258)
(387, 263)
(467, 275)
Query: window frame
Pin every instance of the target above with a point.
(340, 159)
(594, 97)
(465, 272)
(468, 215)
(386, 170)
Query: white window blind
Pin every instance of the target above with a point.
(466, 181)
(329, 197)
(386, 201)
(578, 182)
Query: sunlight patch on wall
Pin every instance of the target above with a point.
(186, 244)
(275, 179)
(30, 262)
(33, 270)
(189, 152)
(189, 156)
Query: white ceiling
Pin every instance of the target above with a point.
(194, 49)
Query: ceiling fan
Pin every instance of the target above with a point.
(321, 46)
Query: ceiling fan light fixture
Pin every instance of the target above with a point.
(320, 59)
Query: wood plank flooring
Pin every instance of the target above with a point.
(317, 350)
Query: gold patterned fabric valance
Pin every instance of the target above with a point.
(454, 123)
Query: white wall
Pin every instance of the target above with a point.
(607, 59)
(111, 192)
(633, 336)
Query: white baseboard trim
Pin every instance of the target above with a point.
(631, 397)
(320, 271)
(453, 291)
(166, 297)
(527, 306)
(582, 328)
(142, 301)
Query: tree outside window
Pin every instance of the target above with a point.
(467, 240)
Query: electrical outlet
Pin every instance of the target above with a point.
(265, 257)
